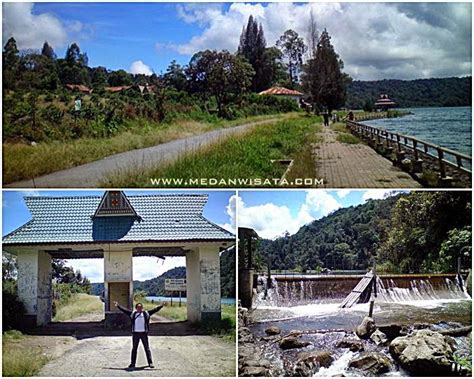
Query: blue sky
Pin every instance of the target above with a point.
(15, 214)
(375, 40)
(272, 213)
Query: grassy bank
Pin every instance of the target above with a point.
(78, 305)
(246, 156)
(225, 328)
(23, 161)
(18, 361)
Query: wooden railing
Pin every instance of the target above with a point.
(391, 140)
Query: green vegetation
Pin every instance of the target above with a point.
(17, 360)
(347, 138)
(444, 92)
(406, 233)
(22, 161)
(77, 305)
(247, 156)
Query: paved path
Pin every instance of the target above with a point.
(91, 175)
(344, 165)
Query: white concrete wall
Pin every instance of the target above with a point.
(118, 267)
(34, 284)
(203, 283)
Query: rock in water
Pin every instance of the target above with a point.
(292, 343)
(309, 362)
(379, 338)
(366, 328)
(425, 353)
(372, 363)
(393, 331)
(351, 343)
(272, 330)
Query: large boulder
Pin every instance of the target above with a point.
(372, 364)
(309, 362)
(273, 330)
(366, 328)
(292, 342)
(424, 353)
(351, 343)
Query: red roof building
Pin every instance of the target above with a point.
(78, 87)
(281, 91)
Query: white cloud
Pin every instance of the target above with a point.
(270, 220)
(30, 193)
(343, 193)
(138, 67)
(31, 30)
(375, 40)
(93, 269)
(231, 212)
(376, 194)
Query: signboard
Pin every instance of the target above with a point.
(175, 285)
(77, 105)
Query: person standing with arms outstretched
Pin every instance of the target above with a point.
(140, 328)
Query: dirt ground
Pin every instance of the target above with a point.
(81, 347)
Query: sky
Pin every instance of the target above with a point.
(375, 40)
(273, 213)
(218, 210)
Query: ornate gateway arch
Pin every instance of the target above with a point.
(117, 228)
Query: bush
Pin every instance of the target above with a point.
(13, 308)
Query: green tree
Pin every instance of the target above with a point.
(120, 78)
(175, 76)
(253, 48)
(48, 51)
(11, 64)
(458, 245)
(323, 77)
(293, 48)
(99, 77)
(222, 75)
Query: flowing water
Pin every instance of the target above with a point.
(298, 305)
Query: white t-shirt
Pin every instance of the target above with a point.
(139, 322)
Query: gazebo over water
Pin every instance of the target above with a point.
(384, 102)
(116, 228)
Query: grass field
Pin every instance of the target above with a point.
(22, 161)
(79, 304)
(226, 328)
(18, 361)
(238, 158)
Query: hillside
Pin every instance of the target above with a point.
(156, 286)
(444, 92)
(420, 231)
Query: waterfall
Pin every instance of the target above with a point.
(418, 289)
(396, 289)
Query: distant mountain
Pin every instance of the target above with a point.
(156, 286)
(444, 92)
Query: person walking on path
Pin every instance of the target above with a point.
(326, 118)
(140, 328)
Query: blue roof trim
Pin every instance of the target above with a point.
(162, 218)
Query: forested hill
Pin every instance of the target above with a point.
(156, 286)
(444, 92)
(420, 231)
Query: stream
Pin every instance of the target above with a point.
(286, 306)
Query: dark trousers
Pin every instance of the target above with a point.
(136, 337)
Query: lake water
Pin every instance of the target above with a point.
(447, 127)
(183, 299)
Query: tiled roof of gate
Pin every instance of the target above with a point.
(161, 218)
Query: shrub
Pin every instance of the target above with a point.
(13, 308)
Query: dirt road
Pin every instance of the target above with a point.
(82, 347)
